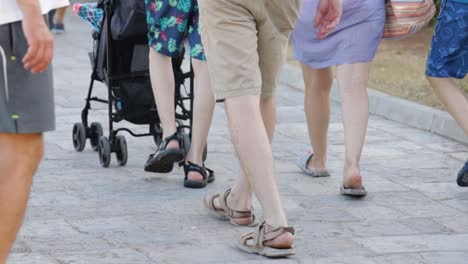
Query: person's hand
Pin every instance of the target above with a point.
(328, 16)
(40, 42)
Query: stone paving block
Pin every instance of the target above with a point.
(402, 258)
(374, 212)
(114, 256)
(31, 258)
(20, 246)
(330, 247)
(437, 257)
(42, 228)
(198, 254)
(424, 225)
(417, 243)
(82, 213)
(430, 210)
(454, 224)
(340, 260)
(448, 257)
(439, 190)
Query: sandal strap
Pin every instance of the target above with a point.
(194, 167)
(265, 233)
(233, 213)
(166, 141)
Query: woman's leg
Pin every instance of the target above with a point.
(59, 16)
(162, 80)
(352, 81)
(203, 107)
(318, 84)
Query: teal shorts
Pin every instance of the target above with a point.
(170, 23)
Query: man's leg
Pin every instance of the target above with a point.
(240, 197)
(318, 84)
(253, 148)
(457, 105)
(19, 158)
(352, 81)
(235, 72)
(203, 107)
(453, 98)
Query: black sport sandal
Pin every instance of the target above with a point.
(162, 161)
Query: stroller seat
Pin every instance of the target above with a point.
(120, 61)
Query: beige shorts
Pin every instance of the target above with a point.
(245, 42)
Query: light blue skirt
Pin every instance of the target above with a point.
(355, 40)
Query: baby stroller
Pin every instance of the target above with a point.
(120, 60)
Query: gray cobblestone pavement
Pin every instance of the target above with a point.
(82, 213)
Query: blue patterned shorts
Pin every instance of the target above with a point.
(448, 56)
(170, 22)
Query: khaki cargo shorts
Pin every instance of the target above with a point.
(246, 43)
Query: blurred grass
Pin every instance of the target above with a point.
(398, 69)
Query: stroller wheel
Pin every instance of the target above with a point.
(122, 153)
(96, 133)
(104, 152)
(79, 136)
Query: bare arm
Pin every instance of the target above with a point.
(328, 16)
(38, 36)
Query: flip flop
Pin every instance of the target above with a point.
(302, 164)
(264, 233)
(462, 179)
(353, 192)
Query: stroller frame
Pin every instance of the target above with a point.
(115, 143)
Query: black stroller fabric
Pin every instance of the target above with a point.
(129, 20)
(129, 64)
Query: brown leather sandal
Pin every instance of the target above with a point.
(265, 233)
(225, 212)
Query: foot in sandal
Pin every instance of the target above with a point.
(352, 184)
(217, 204)
(197, 176)
(311, 167)
(269, 241)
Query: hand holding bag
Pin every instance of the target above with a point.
(407, 17)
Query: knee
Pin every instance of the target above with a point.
(432, 81)
(318, 92)
(18, 147)
(267, 101)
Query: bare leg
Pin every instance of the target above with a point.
(317, 108)
(203, 108)
(453, 98)
(162, 79)
(240, 197)
(352, 80)
(19, 158)
(251, 141)
(60, 15)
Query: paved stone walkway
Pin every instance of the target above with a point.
(82, 213)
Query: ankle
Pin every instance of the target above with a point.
(317, 162)
(191, 157)
(239, 202)
(276, 220)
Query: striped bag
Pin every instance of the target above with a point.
(406, 17)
